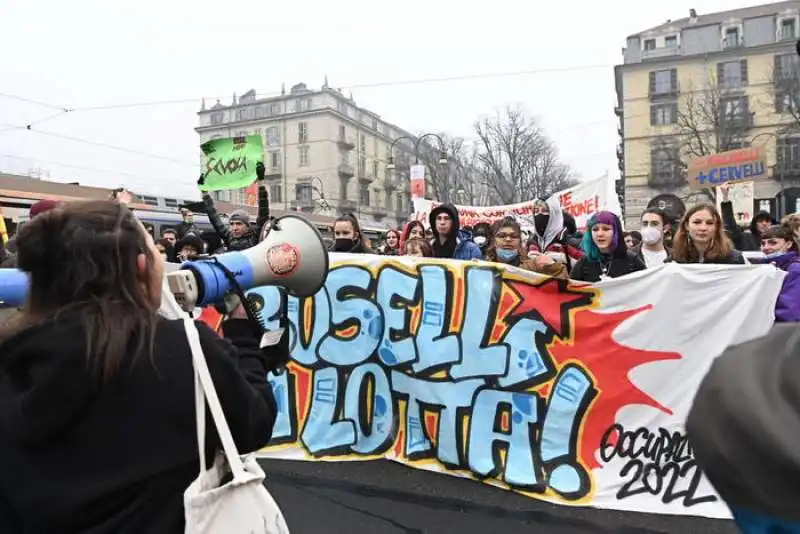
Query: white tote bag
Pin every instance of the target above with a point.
(241, 506)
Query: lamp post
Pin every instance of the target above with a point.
(782, 206)
(442, 154)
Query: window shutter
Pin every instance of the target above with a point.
(720, 74)
(744, 71)
(652, 83)
(777, 68)
(653, 117)
(673, 113)
(674, 80)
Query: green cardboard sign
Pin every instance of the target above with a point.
(231, 163)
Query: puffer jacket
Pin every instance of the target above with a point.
(249, 238)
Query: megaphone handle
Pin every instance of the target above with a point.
(283, 321)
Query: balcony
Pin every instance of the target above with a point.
(732, 41)
(379, 212)
(365, 178)
(345, 144)
(787, 34)
(664, 51)
(272, 173)
(346, 170)
(346, 206)
(389, 185)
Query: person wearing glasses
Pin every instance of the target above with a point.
(505, 246)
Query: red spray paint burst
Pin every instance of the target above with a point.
(593, 346)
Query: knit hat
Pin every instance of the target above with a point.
(43, 206)
(240, 216)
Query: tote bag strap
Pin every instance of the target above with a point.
(204, 390)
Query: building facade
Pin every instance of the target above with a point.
(707, 84)
(323, 154)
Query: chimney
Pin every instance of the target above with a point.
(692, 15)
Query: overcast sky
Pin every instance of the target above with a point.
(93, 53)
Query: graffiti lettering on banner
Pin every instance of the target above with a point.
(473, 369)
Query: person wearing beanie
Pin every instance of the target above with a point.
(43, 206)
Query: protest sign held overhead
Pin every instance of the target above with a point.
(745, 165)
(230, 163)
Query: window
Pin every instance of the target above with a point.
(342, 133)
(362, 143)
(216, 118)
(276, 193)
(787, 29)
(303, 154)
(304, 192)
(388, 201)
(244, 114)
(362, 166)
(275, 159)
(374, 123)
(664, 82)
(363, 195)
(663, 114)
(663, 164)
(788, 151)
(671, 41)
(302, 132)
(735, 109)
(171, 202)
(302, 104)
(787, 100)
(785, 67)
(649, 44)
(764, 204)
(731, 39)
(150, 201)
(273, 136)
(732, 74)
(375, 146)
(375, 169)
(275, 109)
(262, 111)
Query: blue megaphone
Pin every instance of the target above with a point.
(13, 288)
(293, 255)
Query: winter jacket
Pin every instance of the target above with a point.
(743, 240)
(249, 238)
(555, 240)
(743, 427)
(734, 258)
(465, 247)
(787, 308)
(612, 267)
(81, 457)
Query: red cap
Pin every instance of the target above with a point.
(43, 206)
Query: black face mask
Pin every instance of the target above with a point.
(343, 244)
(540, 221)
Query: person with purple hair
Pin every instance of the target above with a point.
(605, 253)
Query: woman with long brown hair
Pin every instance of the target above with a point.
(701, 238)
(97, 391)
(505, 246)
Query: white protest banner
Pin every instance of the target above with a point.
(566, 392)
(587, 198)
(472, 215)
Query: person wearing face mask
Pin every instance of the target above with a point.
(481, 234)
(347, 236)
(550, 234)
(652, 251)
(606, 255)
(506, 247)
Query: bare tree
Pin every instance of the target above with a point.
(785, 88)
(457, 180)
(517, 160)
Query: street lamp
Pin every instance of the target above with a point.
(442, 154)
(782, 206)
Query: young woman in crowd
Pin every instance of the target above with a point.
(412, 230)
(605, 252)
(632, 239)
(780, 250)
(347, 236)
(506, 247)
(97, 391)
(701, 238)
(418, 247)
(391, 245)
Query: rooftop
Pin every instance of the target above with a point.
(723, 16)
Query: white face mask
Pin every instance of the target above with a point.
(651, 235)
(479, 240)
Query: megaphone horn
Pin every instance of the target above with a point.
(293, 255)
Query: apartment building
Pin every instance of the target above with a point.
(323, 153)
(705, 84)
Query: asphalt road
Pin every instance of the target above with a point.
(385, 497)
